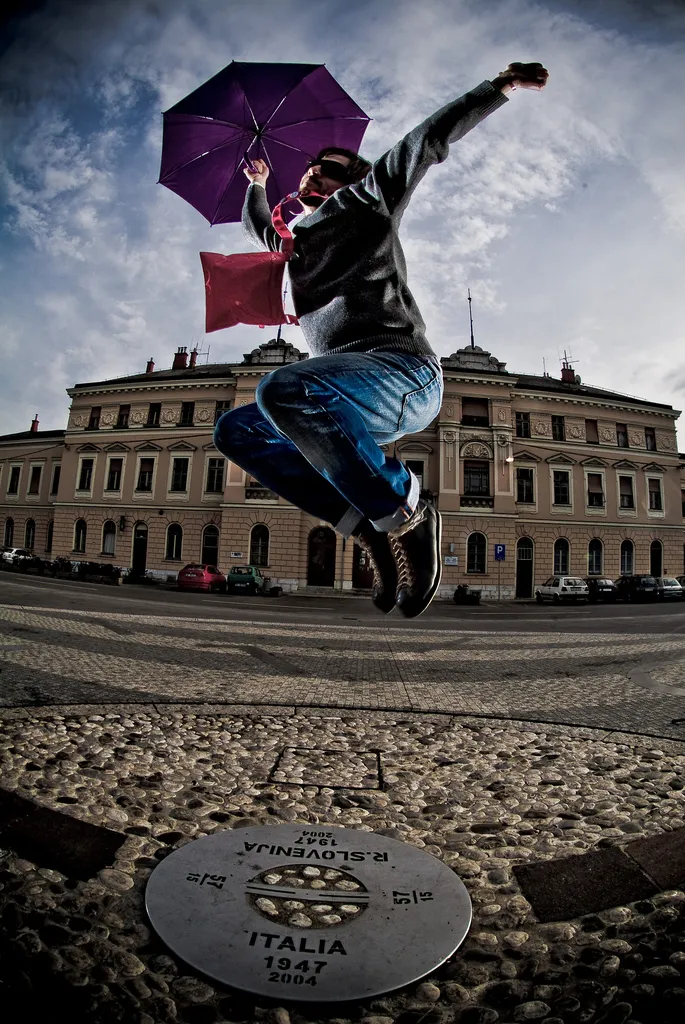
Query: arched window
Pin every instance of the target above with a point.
(595, 558)
(656, 558)
(627, 558)
(48, 538)
(80, 531)
(259, 545)
(210, 546)
(9, 532)
(476, 550)
(109, 534)
(562, 551)
(30, 534)
(174, 541)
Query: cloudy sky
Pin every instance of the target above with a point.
(564, 212)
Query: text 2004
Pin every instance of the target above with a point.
(318, 838)
(283, 975)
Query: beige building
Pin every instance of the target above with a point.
(568, 478)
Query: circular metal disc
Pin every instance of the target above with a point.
(308, 913)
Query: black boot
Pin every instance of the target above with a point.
(416, 547)
(377, 547)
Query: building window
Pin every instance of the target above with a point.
(13, 485)
(562, 550)
(656, 503)
(56, 472)
(221, 408)
(80, 531)
(210, 546)
(477, 479)
(595, 490)
(86, 475)
(558, 428)
(94, 421)
(48, 539)
(34, 482)
(622, 435)
(476, 548)
(595, 553)
(524, 486)
(9, 532)
(416, 466)
(122, 418)
(682, 498)
(187, 414)
(650, 439)
(174, 542)
(627, 557)
(153, 414)
(626, 496)
(523, 424)
(591, 433)
(562, 487)
(475, 412)
(30, 534)
(109, 533)
(215, 476)
(114, 475)
(145, 473)
(259, 545)
(179, 475)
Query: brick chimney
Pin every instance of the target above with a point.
(567, 375)
(180, 359)
(193, 358)
(34, 424)
(150, 366)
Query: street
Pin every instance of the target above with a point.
(616, 667)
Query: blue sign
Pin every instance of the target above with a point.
(500, 552)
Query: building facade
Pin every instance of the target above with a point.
(556, 476)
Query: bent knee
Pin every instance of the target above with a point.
(229, 431)
(273, 388)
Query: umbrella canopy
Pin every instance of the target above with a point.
(281, 113)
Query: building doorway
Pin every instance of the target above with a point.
(524, 568)
(362, 573)
(210, 546)
(321, 558)
(656, 558)
(139, 560)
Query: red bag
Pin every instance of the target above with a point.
(244, 289)
(247, 288)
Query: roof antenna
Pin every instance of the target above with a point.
(285, 292)
(471, 319)
(544, 368)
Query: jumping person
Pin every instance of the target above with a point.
(314, 433)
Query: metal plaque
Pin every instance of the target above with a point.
(314, 913)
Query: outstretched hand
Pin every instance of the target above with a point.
(260, 174)
(525, 76)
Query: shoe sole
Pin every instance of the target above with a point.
(433, 590)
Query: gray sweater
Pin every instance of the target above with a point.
(348, 273)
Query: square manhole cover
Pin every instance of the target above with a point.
(335, 769)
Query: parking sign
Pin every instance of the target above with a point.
(500, 552)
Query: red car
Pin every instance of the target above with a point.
(196, 576)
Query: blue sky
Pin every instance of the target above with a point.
(564, 212)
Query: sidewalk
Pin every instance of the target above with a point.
(505, 804)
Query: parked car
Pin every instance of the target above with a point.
(562, 588)
(636, 588)
(600, 589)
(245, 579)
(200, 576)
(681, 581)
(668, 587)
(10, 554)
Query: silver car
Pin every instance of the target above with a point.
(668, 586)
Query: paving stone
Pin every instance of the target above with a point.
(662, 857)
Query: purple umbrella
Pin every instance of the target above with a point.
(281, 113)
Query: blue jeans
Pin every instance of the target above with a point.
(313, 435)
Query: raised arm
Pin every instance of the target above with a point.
(256, 217)
(395, 175)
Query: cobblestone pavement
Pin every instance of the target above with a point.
(489, 751)
(632, 681)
